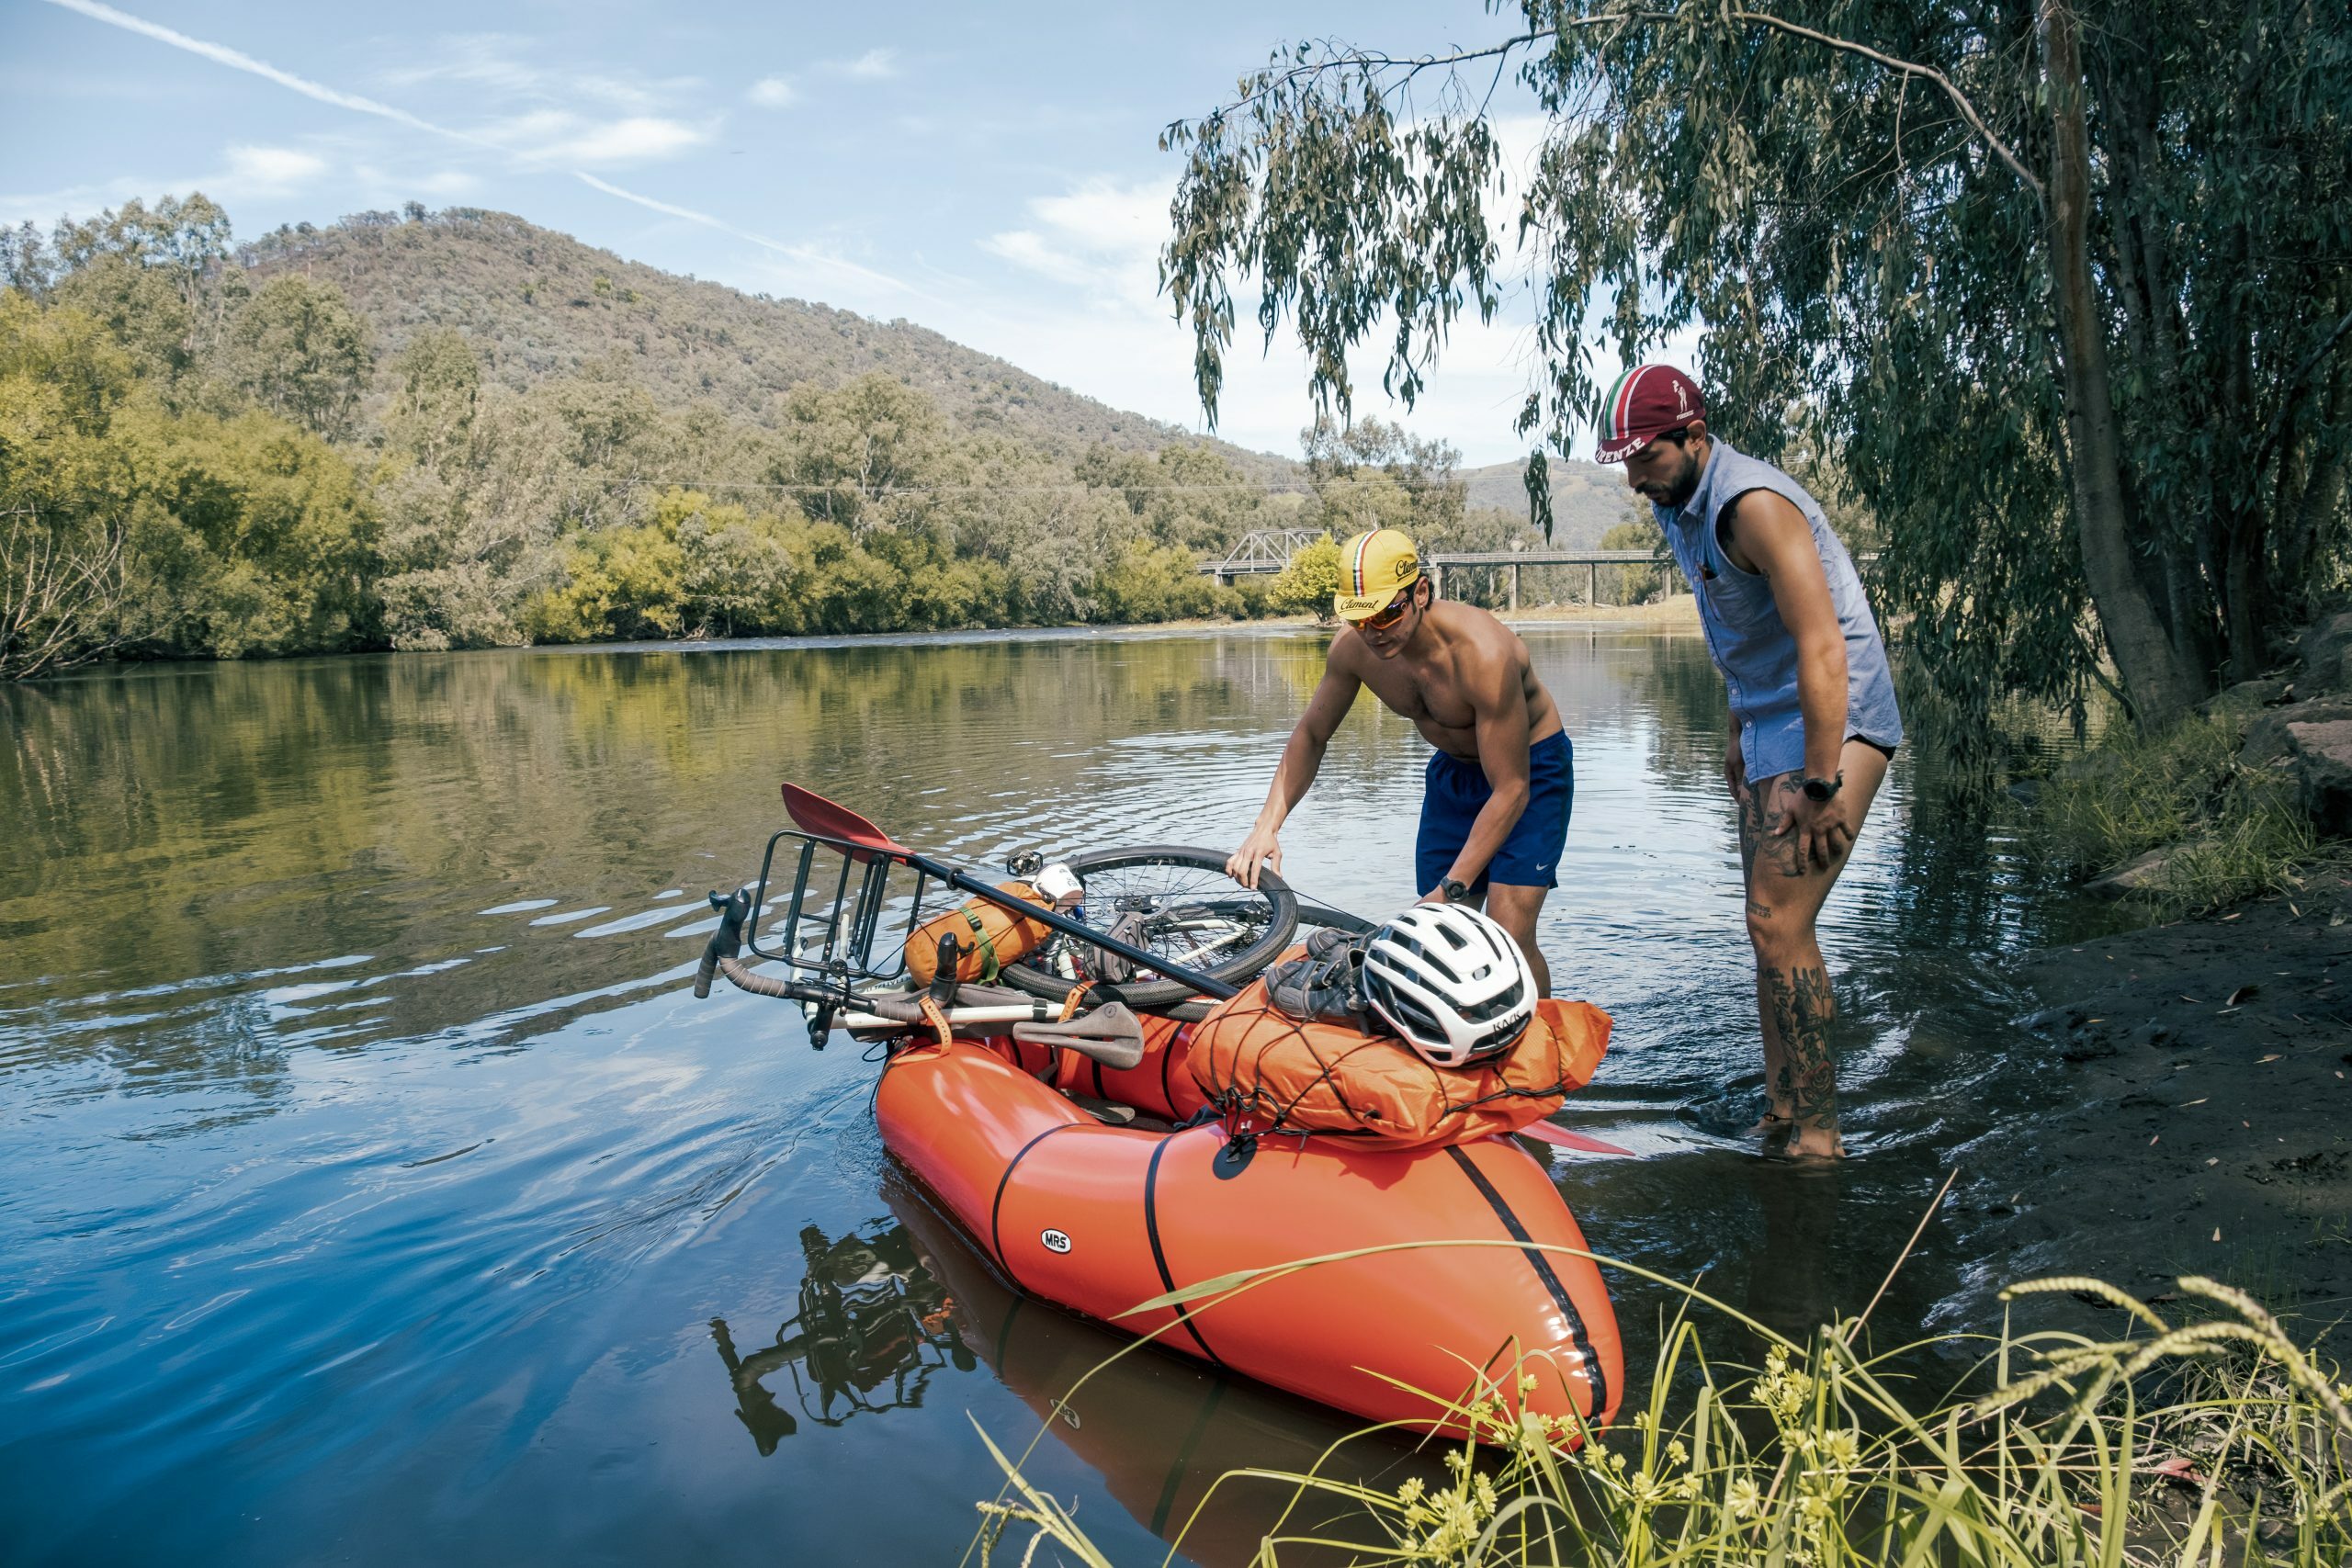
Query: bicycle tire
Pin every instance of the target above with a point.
(1282, 921)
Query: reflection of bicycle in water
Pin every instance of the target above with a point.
(871, 1313)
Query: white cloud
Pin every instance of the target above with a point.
(559, 136)
(505, 64)
(260, 170)
(773, 92)
(632, 140)
(874, 65)
(1102, 236)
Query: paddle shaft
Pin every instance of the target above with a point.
(1207, 985)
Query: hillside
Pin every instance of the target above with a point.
(537, 304)
(1587, 499)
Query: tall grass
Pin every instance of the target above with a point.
(2209, 1438)
(2240, 830)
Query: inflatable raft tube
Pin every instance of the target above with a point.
(1099, 1219)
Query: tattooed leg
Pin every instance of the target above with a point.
(1784, 895)
(1801, 1008)
(1778, 1097)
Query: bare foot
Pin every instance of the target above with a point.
(1815, 1142)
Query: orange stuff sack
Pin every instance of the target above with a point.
(988, 936)
(1281, 1075)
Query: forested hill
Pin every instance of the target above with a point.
(536, 304)
(1587, 499)
(460, 431)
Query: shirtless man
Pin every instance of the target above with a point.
(1494, 813)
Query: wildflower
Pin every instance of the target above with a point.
(1412, 1491)
(1527, 1382)
(1676, 1454)
(1842, 1448)
(1485, 1491)
(1743, 1500)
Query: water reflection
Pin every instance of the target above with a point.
(888, 1305)
(871, 1313)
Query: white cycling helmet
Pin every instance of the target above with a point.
(1452, 981)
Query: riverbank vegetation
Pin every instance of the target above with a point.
(2175, 817)
(211, 451)
(2204, 1433)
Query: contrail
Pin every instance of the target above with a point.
(220, 54)
(802, 253)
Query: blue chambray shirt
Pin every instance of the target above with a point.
(1751, 646)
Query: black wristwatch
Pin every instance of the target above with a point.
(1453, 891)
(1819, 790)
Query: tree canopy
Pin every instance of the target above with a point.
(2061, 288)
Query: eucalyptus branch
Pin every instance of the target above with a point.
(1910, 68)
(1270, 83)
(2294, 388)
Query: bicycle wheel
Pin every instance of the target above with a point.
(1184, 909)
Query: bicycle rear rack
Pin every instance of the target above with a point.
(840, 894)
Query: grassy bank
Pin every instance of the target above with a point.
(2204, 1434)
(2218, 829)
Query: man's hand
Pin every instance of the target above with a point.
(1736, 769)
(1261, 848)
(1819, 827)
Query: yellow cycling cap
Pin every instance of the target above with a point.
(1373, 568)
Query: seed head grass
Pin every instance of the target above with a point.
(2203, 1437)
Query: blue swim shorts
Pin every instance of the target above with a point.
(1457, 790)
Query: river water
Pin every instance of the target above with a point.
(377, 1189)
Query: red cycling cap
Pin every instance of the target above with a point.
(1648, 401)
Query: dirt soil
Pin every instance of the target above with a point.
(2207, 1122)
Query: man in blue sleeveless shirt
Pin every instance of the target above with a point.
(1813, 717)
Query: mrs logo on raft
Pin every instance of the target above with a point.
(1056, 1241)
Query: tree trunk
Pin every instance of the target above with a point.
(2156, 678)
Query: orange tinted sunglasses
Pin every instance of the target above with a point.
(1391, 615)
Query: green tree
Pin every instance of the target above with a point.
(1637, 584)
(852, 446)
(250, 536)
(436, 390)
(302, 353)
(65, 488)
(2051, 279)
(1309, 583)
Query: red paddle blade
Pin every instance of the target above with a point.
(812, 813)
(1548, 1133)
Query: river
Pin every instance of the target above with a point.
(377, 1192)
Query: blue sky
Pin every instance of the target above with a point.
(989, 172)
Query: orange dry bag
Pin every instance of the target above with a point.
(1280, 1074)
(987, 937)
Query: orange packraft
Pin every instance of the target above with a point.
(987, 937)
(1280, 1074)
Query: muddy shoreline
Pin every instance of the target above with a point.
(2203, 1124)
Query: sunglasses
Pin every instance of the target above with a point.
(1391, 615)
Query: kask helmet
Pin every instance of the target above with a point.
(1452, 981)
